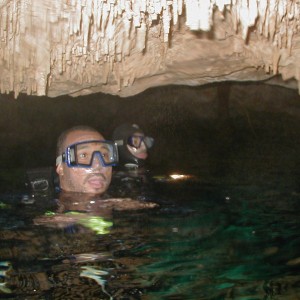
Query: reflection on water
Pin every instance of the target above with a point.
(202, 242)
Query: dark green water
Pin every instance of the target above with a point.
(204, 241)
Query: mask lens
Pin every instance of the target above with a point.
(149, 141)
(135, 141)
(107, 153)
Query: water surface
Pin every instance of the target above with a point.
(204, 241)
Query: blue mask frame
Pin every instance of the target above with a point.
(69, 156)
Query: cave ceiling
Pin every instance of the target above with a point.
(80, 47)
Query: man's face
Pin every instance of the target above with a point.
(94, 179)
(137, 147)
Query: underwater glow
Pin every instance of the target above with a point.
(95, 223)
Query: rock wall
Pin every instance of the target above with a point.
(55, 47)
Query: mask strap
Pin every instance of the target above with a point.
(119, 142)
(58, 160)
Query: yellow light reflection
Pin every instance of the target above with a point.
(179, 176)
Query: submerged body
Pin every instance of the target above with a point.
(131, 177)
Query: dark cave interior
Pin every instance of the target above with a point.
(230, 130)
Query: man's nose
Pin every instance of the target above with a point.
(143, 146)
(97, 163)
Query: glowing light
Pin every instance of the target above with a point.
(179, 176)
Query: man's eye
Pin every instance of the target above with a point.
(105, 156)
(83, 155)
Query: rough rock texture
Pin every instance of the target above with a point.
(79, 47)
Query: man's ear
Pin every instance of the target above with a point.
(59, 169)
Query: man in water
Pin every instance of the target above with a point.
(131, 177)
(133, 145)
(84, 160)
(84, 166)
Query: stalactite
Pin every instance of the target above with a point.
(290, 33)
(140, 38)
(85, 25)
(105, 72)
(166, 23)
(275, 60)
(175, 12)
(205, 17)
(262, 9)
(266, 25)
(235, 19)
(106, 31)
(3, 24)
(272, 18)
(136, 13)
(192, 10)
(282, 9)
(243, 17)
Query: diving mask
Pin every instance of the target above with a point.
(82, 154)
(136, 141)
